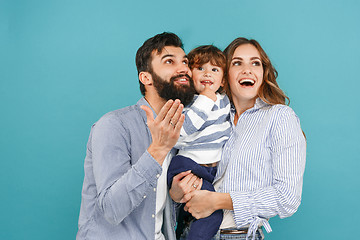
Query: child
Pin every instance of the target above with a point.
(204, 132)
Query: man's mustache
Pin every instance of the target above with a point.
(172, 79)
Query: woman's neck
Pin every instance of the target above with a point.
(241, 106)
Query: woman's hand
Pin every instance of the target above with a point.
(203, 203)
(182, 184)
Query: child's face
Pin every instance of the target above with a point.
(207, 74)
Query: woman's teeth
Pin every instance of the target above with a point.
(247, 82)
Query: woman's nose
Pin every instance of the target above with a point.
(247, 70)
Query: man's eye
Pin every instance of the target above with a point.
(186, 62)
(169, 61)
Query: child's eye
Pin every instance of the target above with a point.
(215, 70)
(200, 68)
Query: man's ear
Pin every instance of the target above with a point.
(146, 78)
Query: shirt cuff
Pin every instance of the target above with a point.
(148, 167)
(244, 208)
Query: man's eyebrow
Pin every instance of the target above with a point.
(167, 55)
(171, 55)
(239, 58)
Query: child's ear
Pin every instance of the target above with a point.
(222, 84)
(145, 78)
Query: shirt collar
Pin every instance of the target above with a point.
(259, 103)
(142, 101)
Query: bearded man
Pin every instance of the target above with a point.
(124, 193)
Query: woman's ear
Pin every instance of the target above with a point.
(145, 78)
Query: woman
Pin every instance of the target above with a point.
(261, 171)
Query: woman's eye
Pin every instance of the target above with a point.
(257, 63)
(236, 63)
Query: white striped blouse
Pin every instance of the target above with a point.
(263, 164)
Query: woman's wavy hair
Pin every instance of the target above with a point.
(269, 91)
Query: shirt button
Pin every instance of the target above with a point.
(153, 216)
(144, 196)
(157, 175)
(154, 189)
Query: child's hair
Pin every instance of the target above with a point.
(204, 54)
(207, 53)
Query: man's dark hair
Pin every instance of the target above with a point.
(158, 42)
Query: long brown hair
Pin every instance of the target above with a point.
(269, 90)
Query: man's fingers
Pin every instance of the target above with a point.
(186, 198)
(148, 112)
(171, 112)
(199, 184)
(177, 115)
(179, 123)
(165, 109)
(179, 176)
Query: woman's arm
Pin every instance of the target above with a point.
(203, 203)
(283, 196)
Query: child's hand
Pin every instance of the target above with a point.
(208, 92)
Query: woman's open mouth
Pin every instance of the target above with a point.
(247, 82)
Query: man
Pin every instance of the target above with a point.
(124, 193)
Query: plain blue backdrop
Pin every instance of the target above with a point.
(63, 64)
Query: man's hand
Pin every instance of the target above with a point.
(182, 184)
(165, 128)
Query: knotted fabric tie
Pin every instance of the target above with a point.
(254, 225)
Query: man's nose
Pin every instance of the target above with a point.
(183, 69)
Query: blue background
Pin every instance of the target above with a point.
(63, 64)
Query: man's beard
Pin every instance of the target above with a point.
(170, 90)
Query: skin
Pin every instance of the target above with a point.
(245, 64)
(208, 78)
(165, 128)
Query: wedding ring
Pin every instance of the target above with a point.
(171, 123)
(195, 186)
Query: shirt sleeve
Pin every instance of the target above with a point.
(196, 116)
(121, 185)
(283, 197)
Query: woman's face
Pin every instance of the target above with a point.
(245, 73)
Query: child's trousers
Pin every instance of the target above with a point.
(204, 228)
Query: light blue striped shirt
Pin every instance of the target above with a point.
(263, 164)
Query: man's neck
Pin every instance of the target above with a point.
(155, 102)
